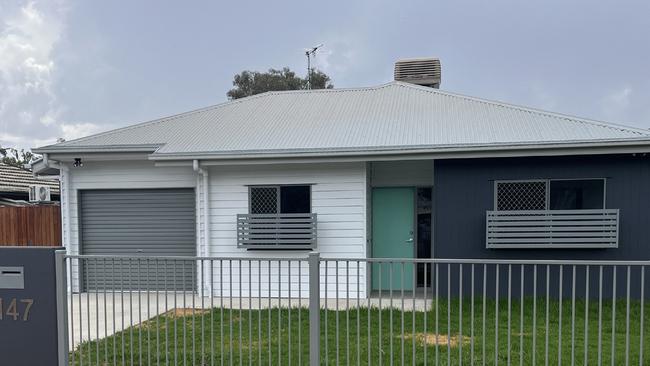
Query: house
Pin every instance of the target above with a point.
(15, 184)
(28, 219)
(398, 170)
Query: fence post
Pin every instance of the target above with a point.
(314, 308)
(61, 306)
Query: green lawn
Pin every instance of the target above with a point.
(197, 339)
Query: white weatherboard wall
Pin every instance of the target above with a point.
(116, 175)
(338, 197)
(339, 200)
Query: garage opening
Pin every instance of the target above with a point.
(138, 224)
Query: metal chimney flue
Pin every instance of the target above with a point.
(421, 71)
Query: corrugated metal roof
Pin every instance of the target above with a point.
(390, 116)
(14, 179)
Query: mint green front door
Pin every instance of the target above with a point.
(393, 211)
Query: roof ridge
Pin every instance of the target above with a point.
(522, 108)
(332, 90)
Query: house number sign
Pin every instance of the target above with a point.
(29, 333)
(15, 309)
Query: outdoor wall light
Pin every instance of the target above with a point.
(77, 163)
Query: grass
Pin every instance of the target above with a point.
(204, 337)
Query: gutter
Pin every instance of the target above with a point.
(106, 148)
(156, 154)
(379, 151)
(371, 153)
(416, 154)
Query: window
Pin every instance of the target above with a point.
(263, 200)
(577, 194)
(280, 199)
(279, 218)
(551, 213)
(523, 195)
(550, 194)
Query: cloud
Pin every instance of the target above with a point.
(321, 59)
(22, 141)
(543, 98)
(620, 98)
(616, 105)
(29, 108)
(345, 58)
(77, 130)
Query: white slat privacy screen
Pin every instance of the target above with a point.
(548, 213)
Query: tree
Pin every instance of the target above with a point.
(249, 83)
(15, 157)
(319, 80)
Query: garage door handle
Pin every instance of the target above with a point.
(139, 250)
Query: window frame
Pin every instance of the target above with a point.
(547, 183)
(278, 194)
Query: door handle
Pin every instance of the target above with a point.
(409, 240)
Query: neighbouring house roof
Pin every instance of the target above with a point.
(394, 116)
(17, 180)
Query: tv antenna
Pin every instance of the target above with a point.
(310, 52)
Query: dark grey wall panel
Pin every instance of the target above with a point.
(463, 191)
(29, 338)
(138, 223)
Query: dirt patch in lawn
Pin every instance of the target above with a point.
(180, 312)
(440, 339)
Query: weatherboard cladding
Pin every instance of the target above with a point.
(394, 115)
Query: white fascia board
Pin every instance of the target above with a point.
(54, 149)
(379, 154)
(450, 153)
(99, 156)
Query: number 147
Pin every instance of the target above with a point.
(12, 310)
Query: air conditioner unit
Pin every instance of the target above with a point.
(39, 193)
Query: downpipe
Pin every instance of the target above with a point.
(205, 248)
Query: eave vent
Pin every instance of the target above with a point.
(420, 71)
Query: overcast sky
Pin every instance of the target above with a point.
(71, 68)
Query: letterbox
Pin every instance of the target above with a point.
(28, 307)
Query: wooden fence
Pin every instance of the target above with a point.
(30, 226)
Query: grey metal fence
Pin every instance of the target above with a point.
(312, 310)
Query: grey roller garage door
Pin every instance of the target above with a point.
(139, 223)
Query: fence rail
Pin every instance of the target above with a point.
(312, 310)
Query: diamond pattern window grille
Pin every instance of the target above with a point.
(264, 200)
(524, 195)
